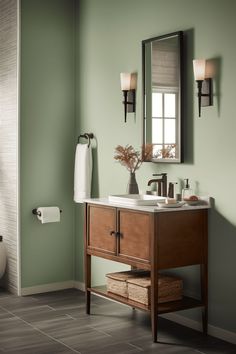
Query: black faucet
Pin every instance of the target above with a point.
(161, 183)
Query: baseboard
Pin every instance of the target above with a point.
(212, 330)
(79, 285)
(45, 288)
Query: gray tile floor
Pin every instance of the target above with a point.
(56, 323)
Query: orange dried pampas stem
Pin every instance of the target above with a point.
(130, 158)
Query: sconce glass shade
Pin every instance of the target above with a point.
(125, 81)
(199, 67)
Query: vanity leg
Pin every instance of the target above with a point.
(154, 303)
(87, 264)
(87, 282)
(134, 268)
(204, 277)
(204, 295)
(154, 283)
(154, 326)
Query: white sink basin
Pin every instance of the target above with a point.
(135, 199)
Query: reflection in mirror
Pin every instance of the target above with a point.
(162, 96)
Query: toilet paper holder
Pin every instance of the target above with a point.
(36, 212)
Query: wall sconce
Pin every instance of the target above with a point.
(128, 86)
(205, 96)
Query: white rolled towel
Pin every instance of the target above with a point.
(82, 172)
(48, 214)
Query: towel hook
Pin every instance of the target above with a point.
(87, 136)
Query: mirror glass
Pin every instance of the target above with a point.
(162, 96)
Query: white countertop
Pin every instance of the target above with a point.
(204, 204)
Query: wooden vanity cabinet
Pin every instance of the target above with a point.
(148, 240)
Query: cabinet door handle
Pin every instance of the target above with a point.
(116, 233)
(119, 234)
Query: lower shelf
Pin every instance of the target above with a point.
(185, 303)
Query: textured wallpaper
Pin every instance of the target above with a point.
(9, 137)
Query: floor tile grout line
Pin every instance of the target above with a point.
(135, 346)
(50, 307)
(73, 318)
(69, 316)
(109, 335)
(45, 334)
(99, 331)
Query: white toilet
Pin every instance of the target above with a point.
(3, 257)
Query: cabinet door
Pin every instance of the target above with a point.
(101, 229)
(135, 234)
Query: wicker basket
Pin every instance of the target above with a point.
(169, 289)
(117, 282)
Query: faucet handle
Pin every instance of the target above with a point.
(171, 189)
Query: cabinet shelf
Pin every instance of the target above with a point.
(171, 306)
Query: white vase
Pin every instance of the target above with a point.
(3, 257)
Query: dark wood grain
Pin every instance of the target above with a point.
(101, 223)
(134, 240)
(153, 241)
(154, 277)
(181, 238)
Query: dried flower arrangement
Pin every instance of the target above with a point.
(132, 159)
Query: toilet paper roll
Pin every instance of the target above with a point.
(48, 214)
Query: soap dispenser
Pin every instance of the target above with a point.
(186, 191)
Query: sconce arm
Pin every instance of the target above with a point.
(126, 102)
(199, 86)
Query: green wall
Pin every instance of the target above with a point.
(54, 72)
(108, 41)
(47, 139)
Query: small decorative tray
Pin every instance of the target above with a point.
(201, 201)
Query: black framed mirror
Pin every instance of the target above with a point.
(162, 59)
